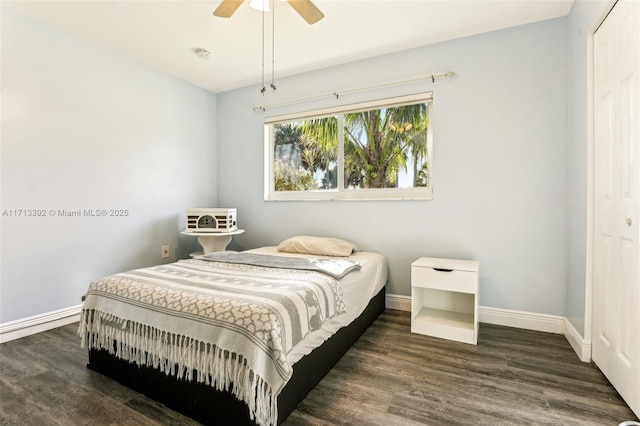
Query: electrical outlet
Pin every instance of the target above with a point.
(165, 252)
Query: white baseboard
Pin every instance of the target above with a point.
(518, 319)
(398, 302)
(521, 319)
(577, 342)
(39, 323)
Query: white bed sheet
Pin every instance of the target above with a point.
(358, 288)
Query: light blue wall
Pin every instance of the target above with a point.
(83, 128)
(500, 149)
(584, 17)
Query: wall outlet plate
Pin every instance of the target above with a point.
(165, 252)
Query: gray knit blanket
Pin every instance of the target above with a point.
(232, 323)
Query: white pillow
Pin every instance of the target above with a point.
(317, 245)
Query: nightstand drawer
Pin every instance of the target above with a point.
(444, 279)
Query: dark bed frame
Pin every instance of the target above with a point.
(212, 407)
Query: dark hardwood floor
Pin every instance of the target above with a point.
(389, 377)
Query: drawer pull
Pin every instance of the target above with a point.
(442, 270)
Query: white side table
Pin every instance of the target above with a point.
(444, 298)
(213, 241)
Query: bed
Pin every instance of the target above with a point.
(145, 328)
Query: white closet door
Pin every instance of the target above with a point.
(616, 285)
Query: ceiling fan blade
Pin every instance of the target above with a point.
(227, 7)
(307, 10)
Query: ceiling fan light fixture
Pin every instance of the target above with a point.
(304, 8)
(260, 5)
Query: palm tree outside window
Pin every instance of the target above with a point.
(384, 152)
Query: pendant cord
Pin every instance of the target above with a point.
(273, 47)
(263, 86)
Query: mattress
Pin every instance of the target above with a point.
(358, 288)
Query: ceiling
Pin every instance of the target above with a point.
(166, 34)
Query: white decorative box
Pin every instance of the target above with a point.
(212, 220)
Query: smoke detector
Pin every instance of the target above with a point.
(202, 53)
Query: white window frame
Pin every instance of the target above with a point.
(341, 193)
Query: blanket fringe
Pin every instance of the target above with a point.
(180, 356)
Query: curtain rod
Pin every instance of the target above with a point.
(432, 77)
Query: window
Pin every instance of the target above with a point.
(374, 150)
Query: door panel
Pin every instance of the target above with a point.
(616, 271)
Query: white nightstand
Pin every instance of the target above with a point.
(213, 241)
(444, 298)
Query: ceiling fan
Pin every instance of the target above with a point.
(305, 8)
